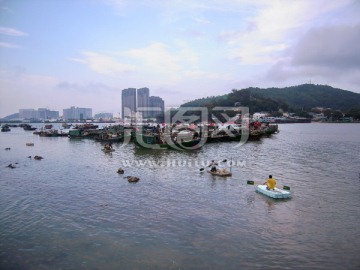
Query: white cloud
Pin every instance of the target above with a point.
(157, 61)
(12, 32)
(104, 64)
(277, 25)
(8, 45)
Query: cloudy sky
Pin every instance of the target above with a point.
(61, 53)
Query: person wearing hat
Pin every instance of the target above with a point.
(270, 183)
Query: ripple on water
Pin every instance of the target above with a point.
(72, 210)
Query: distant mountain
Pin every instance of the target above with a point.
(311, 95)
(294, 98)
(11, 117)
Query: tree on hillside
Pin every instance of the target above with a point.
(354, 113)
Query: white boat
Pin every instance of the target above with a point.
(276, 193)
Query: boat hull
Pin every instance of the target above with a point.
(108, 150)
(275, 194)
(223, 174)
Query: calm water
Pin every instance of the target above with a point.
(72, 210)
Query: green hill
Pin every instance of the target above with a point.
(294, 98)
(311, 95)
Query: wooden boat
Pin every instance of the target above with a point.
(155, 141)
(27, 127)
(150, 141)
(221, 172)
(65, 125)
(107, 150)
(5, 128)
(277, 193)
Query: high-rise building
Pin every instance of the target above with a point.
(40, 114)
(44, 114)
(143, 101)
(128, 102)
(157, 106)
(138, 104)
(103, 115)
(27, 114)
(77, 113)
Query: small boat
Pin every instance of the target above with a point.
(221, 172)
(27, 127)
(276, 193)
(107, 150)
(5, 128)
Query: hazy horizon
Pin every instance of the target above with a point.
(58, 54)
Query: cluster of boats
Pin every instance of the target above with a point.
(176, 136)
(195, 136)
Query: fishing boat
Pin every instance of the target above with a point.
(277, 193)
(66, 126)
(107, 150)
(5, 128)
(221, 172)
(28, 127)
(150, 140)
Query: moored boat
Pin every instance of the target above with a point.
(5, 128)
(28, 127)
(277, 193)
(221, 172)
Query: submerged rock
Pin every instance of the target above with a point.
(132, 179)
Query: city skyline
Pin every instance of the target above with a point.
(139, 101)
(59, 53)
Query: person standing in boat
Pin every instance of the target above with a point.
(213, 165)
(270, 183)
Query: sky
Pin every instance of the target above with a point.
(62, 53)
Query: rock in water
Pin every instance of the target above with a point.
(120, 171)
(133, 179)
